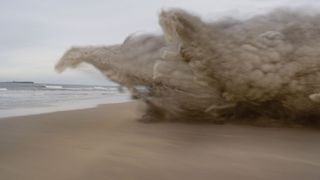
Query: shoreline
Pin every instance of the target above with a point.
(81, 105)
(107, 142)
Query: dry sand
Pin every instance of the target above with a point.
(108, 143)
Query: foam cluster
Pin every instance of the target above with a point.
(268, 63)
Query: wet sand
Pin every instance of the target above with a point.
(108, 143)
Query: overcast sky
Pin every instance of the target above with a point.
(35, 33)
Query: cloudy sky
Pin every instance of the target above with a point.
(35, 33)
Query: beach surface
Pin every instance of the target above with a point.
(108, 142)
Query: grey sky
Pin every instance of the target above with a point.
(35, 33)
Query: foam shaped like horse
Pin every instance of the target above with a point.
(268, 65)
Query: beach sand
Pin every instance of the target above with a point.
(108, 143)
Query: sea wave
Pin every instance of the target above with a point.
(96, 88)
(86, 89)
(54, 87)
(77, 89)
(3, 89)
(100, 88)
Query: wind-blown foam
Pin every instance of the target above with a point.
(267, 65)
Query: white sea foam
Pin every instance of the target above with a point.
(77, 89)
(54, 87)
(87, 89)
(3, 89)
(100, 88)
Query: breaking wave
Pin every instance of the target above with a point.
(95, 88)
(54, 87)
(100, 88)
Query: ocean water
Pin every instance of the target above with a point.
(25, 98)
